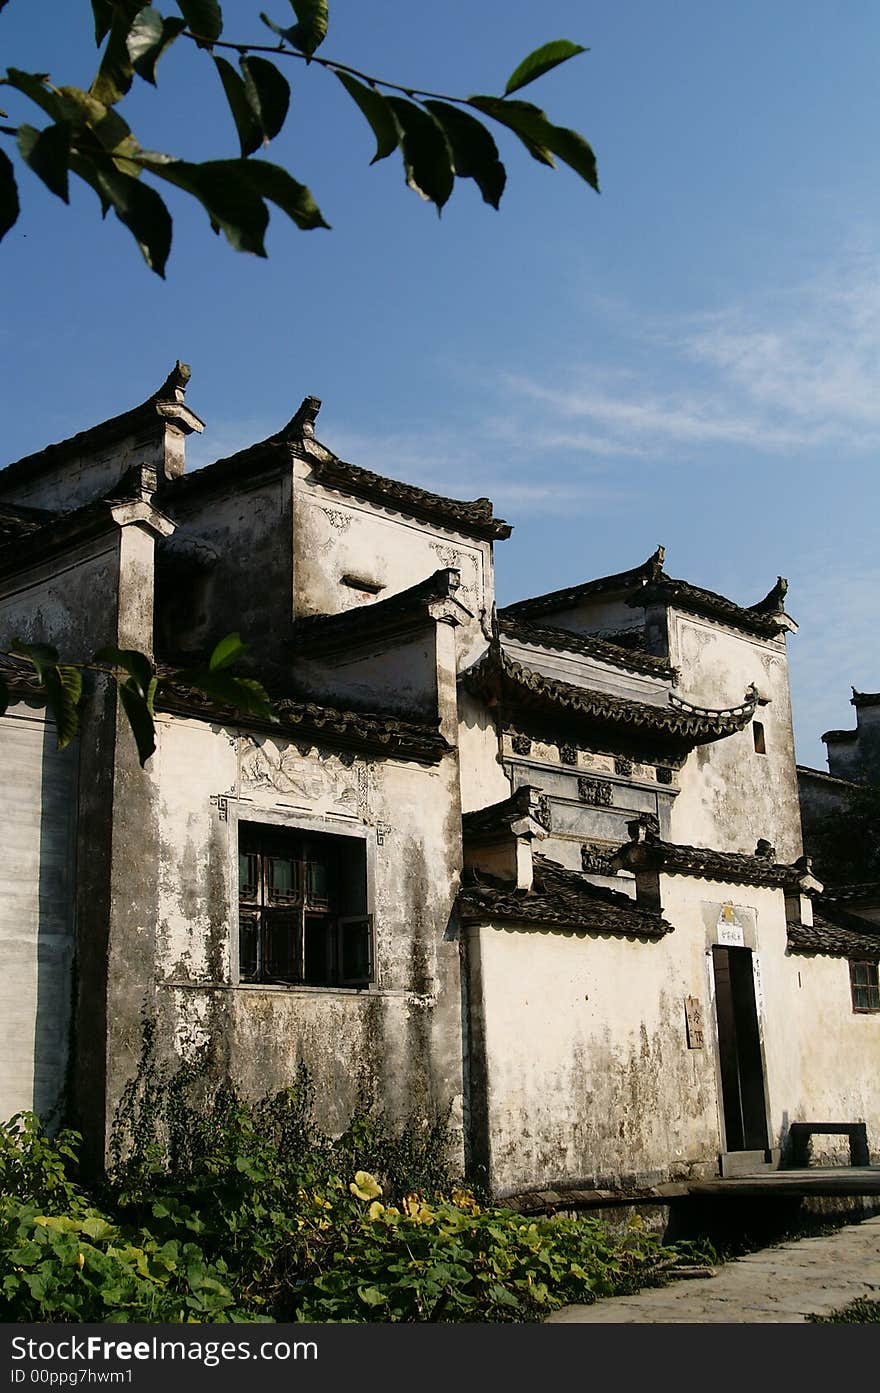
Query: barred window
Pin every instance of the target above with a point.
(302, 901)
(865, 986)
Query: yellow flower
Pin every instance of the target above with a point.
(463, 1199)
(416, 1209)
(80, 1261)
(365, 1186)
(376, 1210)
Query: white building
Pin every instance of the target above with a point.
(541, 864)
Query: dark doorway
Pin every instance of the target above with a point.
(739, 1048)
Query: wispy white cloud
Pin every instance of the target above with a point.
(787, 371)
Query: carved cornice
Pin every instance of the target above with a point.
(623, 725)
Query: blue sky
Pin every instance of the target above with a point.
(690, 358)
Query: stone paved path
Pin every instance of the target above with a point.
(810, 1276)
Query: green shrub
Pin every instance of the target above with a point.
(221, 1209)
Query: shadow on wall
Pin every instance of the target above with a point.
(53, 927)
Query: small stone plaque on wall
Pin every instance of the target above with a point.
(693, 1011)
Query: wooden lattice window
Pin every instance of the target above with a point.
(865, 986)
(302, 902)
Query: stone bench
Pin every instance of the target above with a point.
(799, 1134)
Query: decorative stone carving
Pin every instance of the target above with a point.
(596, 792)
(623, 766)
(521, 744)
(319, 782)
(568, 754)
(595, 858)
(545, 811)
(664, 775)
(338, 520)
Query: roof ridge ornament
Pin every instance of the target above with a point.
(653, 567)
(175, 384)
(774, 601)
(302, 422)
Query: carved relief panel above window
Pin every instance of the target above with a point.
(597, 792)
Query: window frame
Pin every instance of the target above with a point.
(279, 828)
(871, 987)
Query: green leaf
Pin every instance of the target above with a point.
(114, 76)
(63, 686)
(224, 191)
(541, 61)
(33, 85)
(81, 109)
(243, 694)
(228, 651)
(268, 92)
(204, 17)
(148, 39)
(42, 655)
(65, 706)
(9, 204)
(103, 12)
(310, 31)
(48, 154)
(247, 122)
(372, 1296)
(474, 152)
(137, 665)
(427, 157)
(377, 111)
(137, 206)
(272, 182)
(541, 138)
(140, 720)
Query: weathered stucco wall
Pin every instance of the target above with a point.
(228, 567)
(594, 614)
(70, 604)
(337, 537)
(484, 780)
(37, 825)
(834, 1071)
(404, 1031)
(730, 794)
(589, 1074)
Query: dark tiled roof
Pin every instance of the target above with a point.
(844, 936)
(556, 600)
(18, 522)
(836, 735)
(731, 867)
(372, 731)
(166, 403)
(18, 674)
(649, 583)
(864, 698)
(57, 531)
(543, 636)
(763, 619)
(474, 518)
(559, 899)
(824, 777)
(860, 893)
(497, 674)
(266, 456)
(498, 818)
(365, 620)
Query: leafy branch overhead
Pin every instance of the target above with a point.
(138, 684)
(440, 138)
